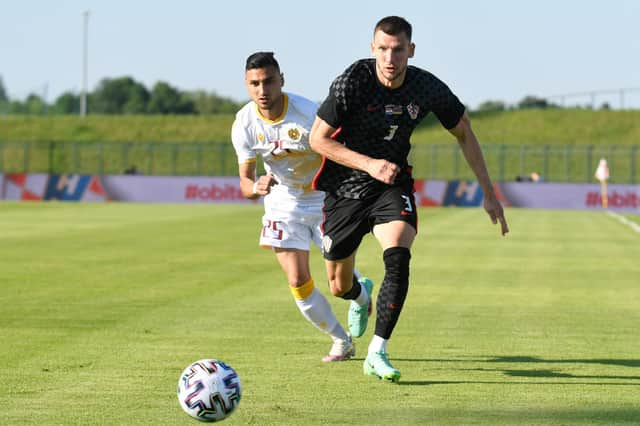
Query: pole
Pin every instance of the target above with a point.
(85, 54)
(45, 95)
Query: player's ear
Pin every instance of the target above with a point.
(412, 49)
(281, 79)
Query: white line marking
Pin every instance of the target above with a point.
(631, 224)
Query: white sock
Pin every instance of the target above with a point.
(378, 344)
(338, 332)
(357, 273)
(317, 310)
(363, 297)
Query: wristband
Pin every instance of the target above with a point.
(255, 188)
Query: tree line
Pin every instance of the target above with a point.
(122, 95)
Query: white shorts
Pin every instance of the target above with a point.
(291, 221)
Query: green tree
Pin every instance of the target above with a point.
(121, 95)
(35, 105)
(67, 103)
(492, 106)
(529, 102)
(15, 107)
(168, 100)
(4, 99)
(3, 92)
(138, 100)
(211, 103)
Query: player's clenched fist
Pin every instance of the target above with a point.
(382, 170)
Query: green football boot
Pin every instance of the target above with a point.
(377, 364)
(359, 315)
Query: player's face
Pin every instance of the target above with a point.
(265, 89)
(392, 53)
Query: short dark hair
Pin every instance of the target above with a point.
(261, 60)
(394, 25)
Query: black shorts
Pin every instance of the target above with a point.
(347, 221)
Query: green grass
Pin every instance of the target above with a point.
(103, 305)
(564, 145)
(117, 128)
(555, 127)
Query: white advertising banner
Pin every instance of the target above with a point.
(174, 189)
(571, 196)
(204, 189)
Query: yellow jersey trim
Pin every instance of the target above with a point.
(285, 107)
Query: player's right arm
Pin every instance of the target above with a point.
(251, 187)
(321, 142)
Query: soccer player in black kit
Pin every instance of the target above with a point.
(363, 131)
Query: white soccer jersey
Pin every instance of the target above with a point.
(282, 143)
(293, 211)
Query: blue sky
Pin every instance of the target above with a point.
(490, 49)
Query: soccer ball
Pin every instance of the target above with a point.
(209, 390)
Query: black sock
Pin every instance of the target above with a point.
(354, 292)
(393, 290)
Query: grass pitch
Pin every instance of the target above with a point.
(103, 305)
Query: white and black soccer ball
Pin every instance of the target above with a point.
(209, 390)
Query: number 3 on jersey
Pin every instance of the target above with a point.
(392, 132)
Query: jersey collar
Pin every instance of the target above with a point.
(285, 107)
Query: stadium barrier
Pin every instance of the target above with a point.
(570, 163)
(204, 189)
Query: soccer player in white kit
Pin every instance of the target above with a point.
(275, 125)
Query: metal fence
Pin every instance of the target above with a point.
(570, 163)
(555, 163)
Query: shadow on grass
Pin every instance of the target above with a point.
(549, 374)
(502, 382)
(530, 359)
(503, 415)
(532, 373)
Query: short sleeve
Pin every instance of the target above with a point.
(241, 143)
(446, 106)
(343, 94)
(334, 107)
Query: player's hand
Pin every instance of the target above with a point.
(496, 213)
(383, 170)
(263, 185)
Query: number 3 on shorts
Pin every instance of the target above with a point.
(407, 204)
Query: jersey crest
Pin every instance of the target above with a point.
(413, 110)
(294, 133)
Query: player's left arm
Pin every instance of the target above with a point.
(473, 154)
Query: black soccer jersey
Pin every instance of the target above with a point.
(377, 121)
